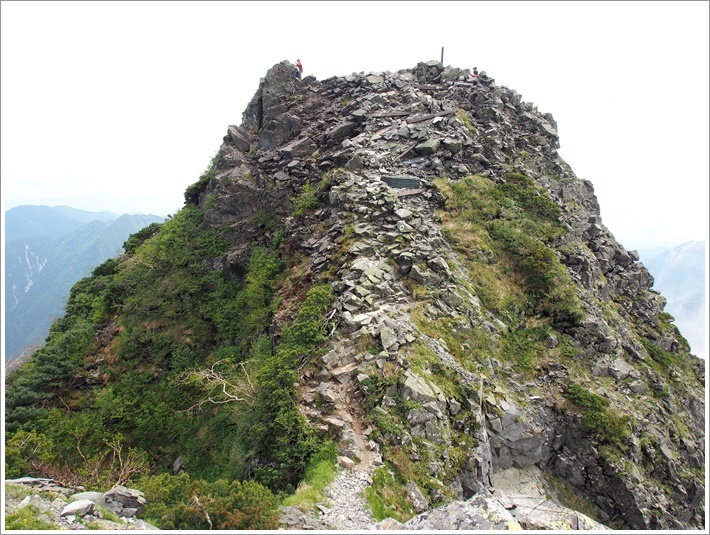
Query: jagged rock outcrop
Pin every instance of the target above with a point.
(343, 141)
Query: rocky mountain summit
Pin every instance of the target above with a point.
(449, 311)
(381, 153)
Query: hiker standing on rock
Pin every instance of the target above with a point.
(474, 73)
(299, 69)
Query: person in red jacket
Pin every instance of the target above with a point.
(474, 73)
(299, 69)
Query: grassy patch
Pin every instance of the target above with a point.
(16, 491)
(512, 224)
(522, 347)
(387, 497)
(307, 197)
(596, 414)
(320, 473)
(570, 497)
(468, 347)
(462, 116)
(424, 361)
(26, 519)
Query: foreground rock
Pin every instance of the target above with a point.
(70, 508)
(484, 511)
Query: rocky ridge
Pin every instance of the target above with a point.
(362, 132)
(348, 139)
(442, 376)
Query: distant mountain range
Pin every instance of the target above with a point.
(679, 275)
(47, 250)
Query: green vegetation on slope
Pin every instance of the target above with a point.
(320, 472)
(513, 225)
(597, 415)
(506, 234)
(125, 384)
(181, 502)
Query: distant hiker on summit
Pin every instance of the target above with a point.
(474, 73)
(299, 69)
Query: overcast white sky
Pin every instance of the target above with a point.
(120, 105)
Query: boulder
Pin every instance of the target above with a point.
(480, 512)
(620, 369)
(346, 462)
(419, 501)
(282, 129)
(238, 137)
(341, 131)
(79, 508)
(120, 498)
(417, 389)
(539, 513)
(300, 148)
(96, 497)
(430, 146)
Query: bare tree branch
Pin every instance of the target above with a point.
(221, 390)
(196, 501)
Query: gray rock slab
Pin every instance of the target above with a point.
(79, 508)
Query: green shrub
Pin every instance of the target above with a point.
(192, 193)
(25, 452)
(179, 502)
(168, 298)
(265, 220)
(279, 435)
(143, 320)
(260, 286)
(129, 247)
(597, 415)
(305, 200)
(658, 354)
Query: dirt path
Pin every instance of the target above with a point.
(346, 507)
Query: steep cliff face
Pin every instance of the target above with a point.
(485, 317)
(488, 337)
